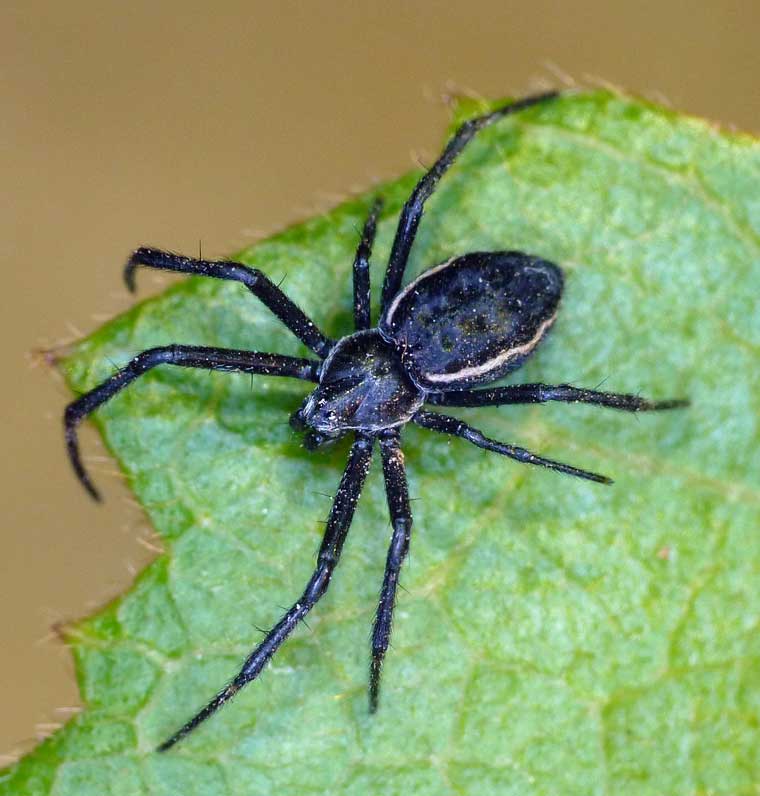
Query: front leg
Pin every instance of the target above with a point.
(257, 282)
(185, 356)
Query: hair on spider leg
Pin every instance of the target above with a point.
(420, 161)
(597, 386)
(112, 363)
(370, 384)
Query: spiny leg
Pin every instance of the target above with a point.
(362, 292)
(257, 282)
(338, 524)
(401, 518)
(185, 356)
(411, 213)
(455, 427)
(540, 393)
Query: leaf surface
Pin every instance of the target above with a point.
(554, 636)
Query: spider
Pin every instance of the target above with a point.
(461, 324)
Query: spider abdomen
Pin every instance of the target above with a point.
(474, 318)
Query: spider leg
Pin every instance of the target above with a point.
(362, 293)
(455, 427)
(258, 283)
(184, 356)
(338, 523)
(540, 393)
(411, 213)
(401, 517)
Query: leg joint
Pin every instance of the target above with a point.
(161, 355)
(363, 442)
(397, 551)
(318, 584)
(242, 273)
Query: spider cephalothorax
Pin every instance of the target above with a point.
(363, 386)
(463, 323)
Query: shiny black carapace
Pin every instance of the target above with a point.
(459, 325)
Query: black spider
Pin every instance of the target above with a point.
(463, 323)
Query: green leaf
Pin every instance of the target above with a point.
(555, 636)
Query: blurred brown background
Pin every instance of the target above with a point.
(173, 122)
